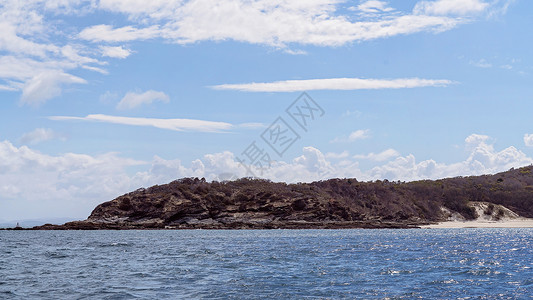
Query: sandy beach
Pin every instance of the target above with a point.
(515, 223)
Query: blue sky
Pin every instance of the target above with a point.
(99, 98)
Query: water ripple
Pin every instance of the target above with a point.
(252, 264)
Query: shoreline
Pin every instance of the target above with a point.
(513, 223)
(85, 225)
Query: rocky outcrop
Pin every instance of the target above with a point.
(337, 203)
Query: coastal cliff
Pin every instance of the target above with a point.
(336, 203)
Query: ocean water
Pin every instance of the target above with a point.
(271, 264)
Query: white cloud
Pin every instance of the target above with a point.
(333, 155)
(252, 125)
(10, 41)
(45, 86)
(32, 42)
(483, 159)
(35, 56)
(359, 135)
(106, 33)
(374, 6)
(39, 135)
(109, 97)
(355, 113)
(450, 7)
(506, 67)
(506, 64)
(170, 124)
(38, 185)
(7, 88)
(137, 8)
(482, 63)
(33, 184)
(528, 139)
(353, 136)
(133, 100)
(95, 69)
(474, 140)
(276, 23)
(333, 84)
(115, 52)
(381, 156)
(295, 52)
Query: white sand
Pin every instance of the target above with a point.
(508, 218)
(514, 223)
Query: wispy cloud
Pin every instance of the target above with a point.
(252, 125)
(381, 156)
(295, 52)
(506, 67)
(334, 155)
(350, 113)
(450, 7)
(30, 61)
(46, 85)
(169, 124)
(133, 99)
(106, 33)
(277, 23)
(372, 6)
(528, 139)
(354, 136)
(334, 84)
(39, 135)
(7, 88)
(482, 63)
(36, 59)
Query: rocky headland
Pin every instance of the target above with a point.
(193, 203)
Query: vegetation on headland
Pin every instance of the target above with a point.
(334, 203)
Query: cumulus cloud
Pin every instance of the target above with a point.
(475, 140)
(39, 135)
(170, 124)
(133, 100)
(116, 52)
(334, 84)
(32, 183)
(482, 159)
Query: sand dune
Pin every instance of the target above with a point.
(505, 219)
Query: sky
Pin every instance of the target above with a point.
(99, 98)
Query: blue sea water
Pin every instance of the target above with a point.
(272, 264)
